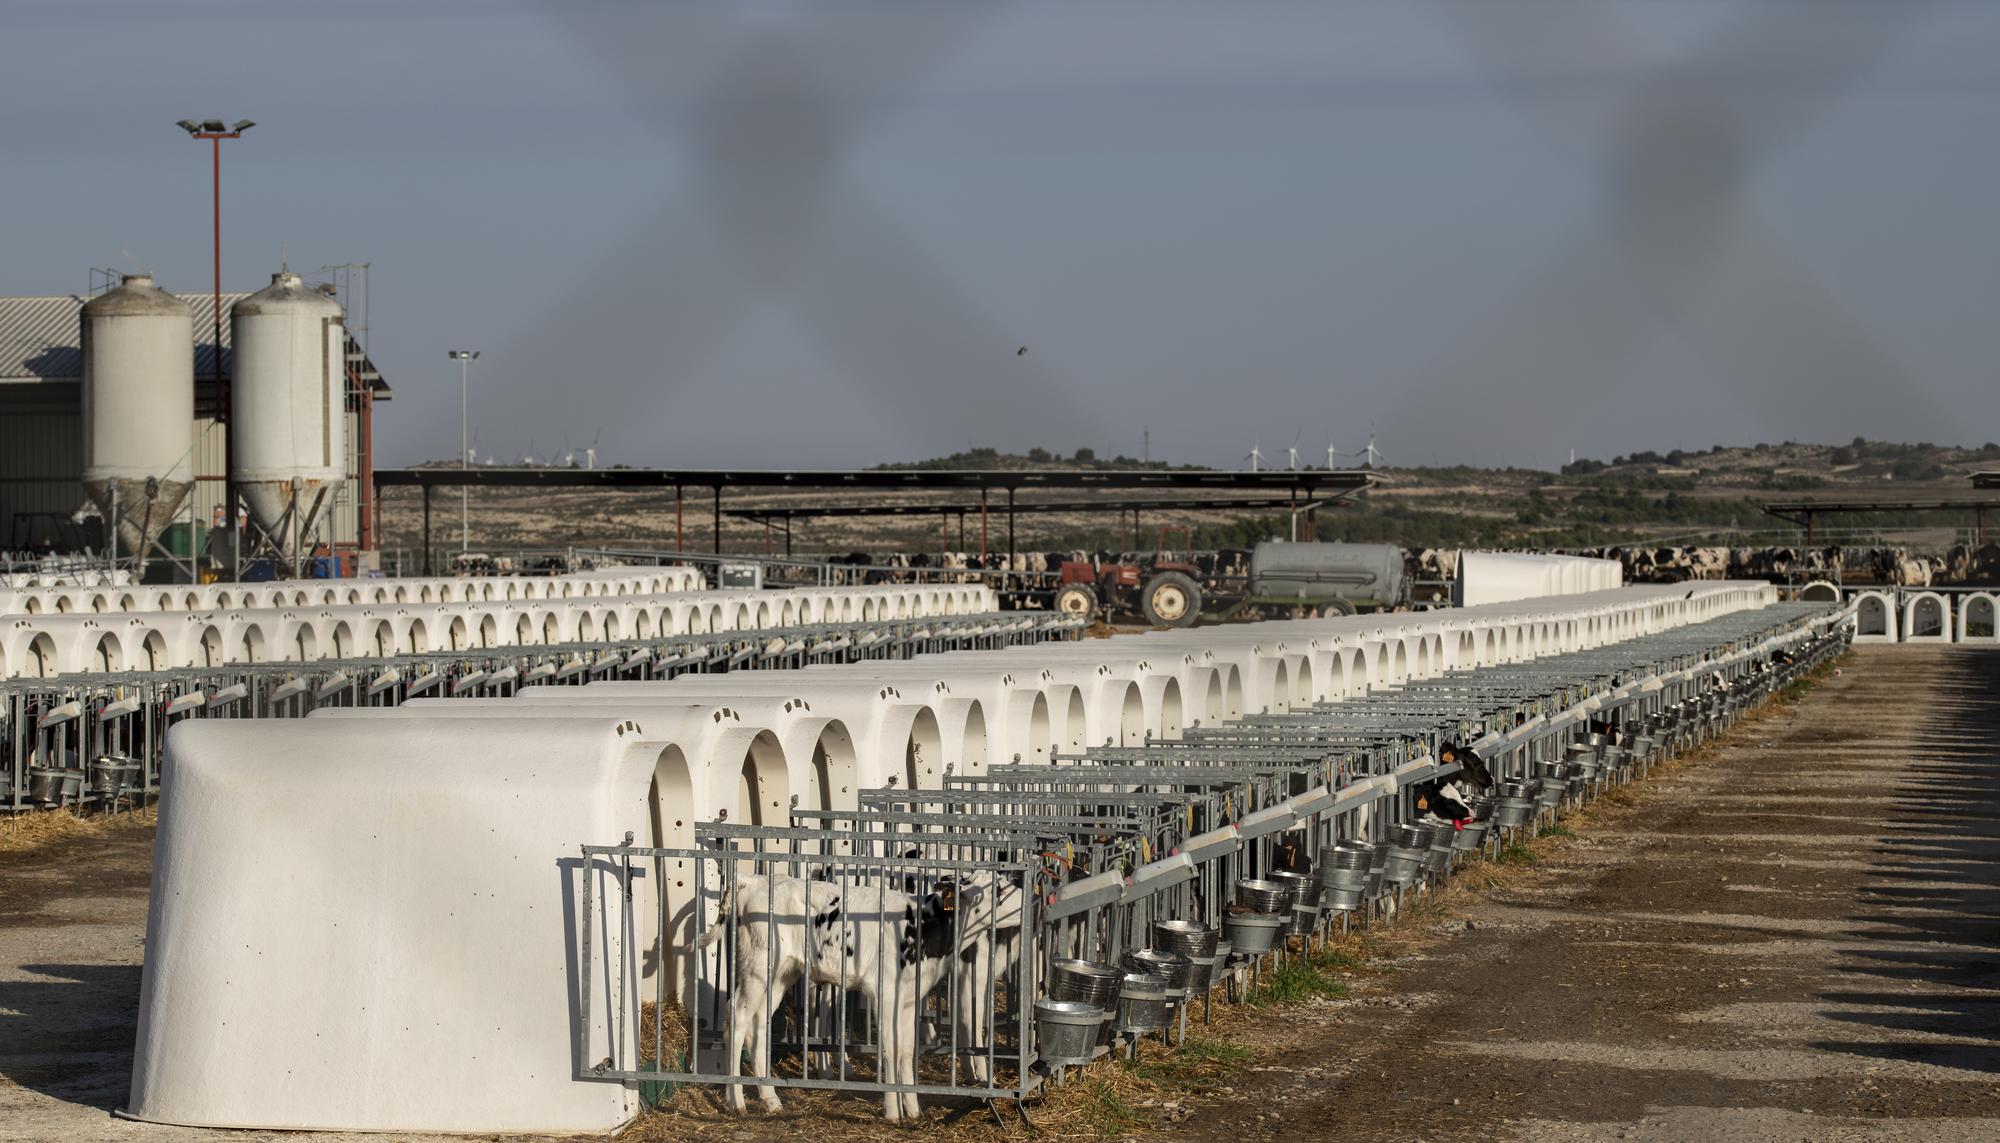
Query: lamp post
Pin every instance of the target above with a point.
(465, 358)
(214, 131)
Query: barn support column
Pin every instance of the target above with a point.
(1010, 529)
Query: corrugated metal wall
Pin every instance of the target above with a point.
(41, 451)
(41, 459)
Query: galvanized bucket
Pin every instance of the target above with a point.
(1438, 860)
(1513, 813)
(1177, 968)
(111, 776)
(1143, 1002)
(1218, 969)
(1066, 1030)
(1085, 982)
(49, 785)
(1304, 919)
(1252, 933)
(1263, 896)
(1340, 878)
(1403, 864)
(1300, 885)
(1342, 900)
(1189, 938)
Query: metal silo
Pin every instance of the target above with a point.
(138, 408)
(290, 399)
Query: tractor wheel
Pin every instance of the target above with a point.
(1336, 606)
(1171, 599)
(1076, 599)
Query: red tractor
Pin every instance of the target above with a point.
(1164, 590)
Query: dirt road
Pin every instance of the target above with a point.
(1794, 938)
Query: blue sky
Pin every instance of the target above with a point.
(768, 233)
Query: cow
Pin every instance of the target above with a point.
(1449, 799)
(891, 947)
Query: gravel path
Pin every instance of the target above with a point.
(1792, 939)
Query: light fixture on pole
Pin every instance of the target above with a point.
(465, 358)
(214, 131)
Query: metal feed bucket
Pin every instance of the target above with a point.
(50, 785)
(1218, 969)
(1203, 977)
(111, 776)
(1252, 933)
(1177, 968)
(1301, 887)
(1409, 835)
(1189, 938)
(1085, 982)
(1438, 859)
(1342, 878)
(1513, 813)
(1066, 1030)
(1345, 855)
(1304, 919)
(1343, 900)
(1264, 896)
(1403, 864)
(1469, 839)
(1143, 1001)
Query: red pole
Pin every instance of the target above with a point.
(678, 518)
(225, 402)
(982, 527)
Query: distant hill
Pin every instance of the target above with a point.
(1810, 465)
(993, 460)
(1708, 497)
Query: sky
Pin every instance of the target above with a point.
(818, 234)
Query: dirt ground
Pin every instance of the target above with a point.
(1793, 937)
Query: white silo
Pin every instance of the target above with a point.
(290, 400)
(138, 408)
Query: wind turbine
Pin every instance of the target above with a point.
(1292, 453)
(1331, 452)
(590, 454)
(1371, 452)
(1255, 456)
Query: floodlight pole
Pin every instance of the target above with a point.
(225, 405)
(465, 358)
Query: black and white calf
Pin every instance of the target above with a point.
(891, 947)
(1450, 798)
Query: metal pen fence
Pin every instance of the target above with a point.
(1148, 877)
(94, 741)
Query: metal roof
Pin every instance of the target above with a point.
(40, 340)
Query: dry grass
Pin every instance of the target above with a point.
(28, 832)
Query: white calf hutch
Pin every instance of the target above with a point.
(452, 914)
